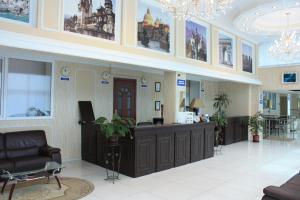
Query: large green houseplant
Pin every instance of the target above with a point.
(117, 127)
(221, 102)
(256, 123)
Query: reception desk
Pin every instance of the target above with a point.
(161, 147)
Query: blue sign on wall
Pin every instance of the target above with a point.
(64, 78)
(180, 82)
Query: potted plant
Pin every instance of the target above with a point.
(256, 124)
(221, 102)
(117, 127)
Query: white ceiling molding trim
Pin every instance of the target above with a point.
(16, 40)
(261, 20)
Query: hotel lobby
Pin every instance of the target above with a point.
(150, 99)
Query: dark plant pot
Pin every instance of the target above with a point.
(255, 138)
(113, 140)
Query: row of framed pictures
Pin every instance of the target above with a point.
(155, 28)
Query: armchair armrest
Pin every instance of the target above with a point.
(282, 194)
(48, 151)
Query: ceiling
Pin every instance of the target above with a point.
(260, 20)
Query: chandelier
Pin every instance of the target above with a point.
(187, 9)
(288, 46)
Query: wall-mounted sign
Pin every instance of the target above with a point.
(143, 86)
(65, 74)
(181, 82)
(104, 82)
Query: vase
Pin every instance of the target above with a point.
(255, 138)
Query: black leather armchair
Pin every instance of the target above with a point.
(26, 150)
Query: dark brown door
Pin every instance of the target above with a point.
(125, 97)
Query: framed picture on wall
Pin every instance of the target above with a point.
(227, 49)
(289, 77)
(157, 86)
(197, 40)
(157, 105)
(154, 27)
(99, 19)
(20, 11)
(248, 57)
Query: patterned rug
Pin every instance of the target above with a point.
(72, 189)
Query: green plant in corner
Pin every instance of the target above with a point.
(117, 127)
(221, 103)
(256, 123)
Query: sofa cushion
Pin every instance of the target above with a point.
(2, 154)
(280, 193)
(2, 146)
(25, 139)
(7, 165)
(26, 152)
(295, 180)
(30, 163)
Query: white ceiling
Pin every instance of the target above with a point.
(268, 15)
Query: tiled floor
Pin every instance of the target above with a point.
(239, 173)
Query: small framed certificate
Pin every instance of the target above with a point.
(157, 86)
(157, 105)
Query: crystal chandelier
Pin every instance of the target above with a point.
(288, 46)
(186, 9)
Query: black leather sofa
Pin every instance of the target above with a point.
(26, 150)
(288, 191)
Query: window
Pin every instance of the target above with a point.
(28, 90)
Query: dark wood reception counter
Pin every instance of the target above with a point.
(160, 147)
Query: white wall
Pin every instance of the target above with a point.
(63, 130)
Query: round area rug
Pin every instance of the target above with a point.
(72, 189)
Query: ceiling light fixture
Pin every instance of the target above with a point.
(287, 48)
(187, 9)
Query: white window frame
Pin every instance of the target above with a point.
(3, 115)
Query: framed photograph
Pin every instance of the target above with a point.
(227, 50)
(197, 40)
(248, 57)
(157, 86)
(154, 27)
(99, 19)
(157, 105)
(20, 11)
(289, 77)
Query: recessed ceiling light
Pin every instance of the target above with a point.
(297, 3)
(257, 13)
(274, 7)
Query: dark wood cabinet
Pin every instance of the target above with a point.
(197, 144)
(236, 130)
(154, 148)
(182, 146)
(145, 154)
(164, 149)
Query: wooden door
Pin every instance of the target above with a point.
(283, 105)
(125, 97)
